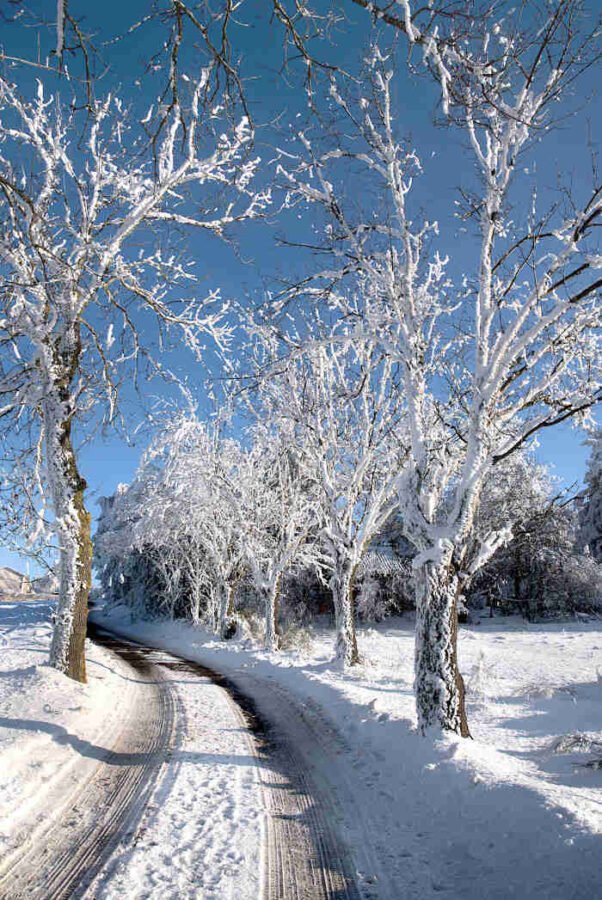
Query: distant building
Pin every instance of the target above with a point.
(13, 583)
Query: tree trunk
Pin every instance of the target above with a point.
(440, 694)
(214, 613)
(72, 522)
(343, 592)
(195, 584)
(226, 611)
(271, 600)
(517, 572)
(195, 606)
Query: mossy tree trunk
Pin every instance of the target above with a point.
(72, 520)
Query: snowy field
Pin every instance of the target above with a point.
(517, 812)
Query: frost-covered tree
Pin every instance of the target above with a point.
(340, 399)
(279, 520)
(533, 569)
(590, 513)
(87, 202)
(137, 545)
(205, 513)
(519, 496)
(486, 359)
(199, 472)
(209, 471)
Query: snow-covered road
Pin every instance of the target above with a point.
(109, 786)
(185, 787)
(235, 814)
(197, 832)
(517, 812)
(139, 784)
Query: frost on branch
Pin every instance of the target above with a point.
(69, 215)
(486, 359)
(334, 394)
(206, 518)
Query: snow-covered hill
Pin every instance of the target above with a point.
(45, 585)
(17, 586)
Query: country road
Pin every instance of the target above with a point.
(302, 854)
(246, 775)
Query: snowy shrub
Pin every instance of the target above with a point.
(403, 590)
(578, 583)
(538, 571)
(577, 742)
(252, 625)
(373, 601)
(297, 637)
(304, 596)
(480, 678)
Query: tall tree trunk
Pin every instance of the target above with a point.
(343, 592)
(215, 595)
(440, 694)
(517, 571)
(195, 584)
(67, 649)
(271, 600)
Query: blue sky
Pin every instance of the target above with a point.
(109, 459)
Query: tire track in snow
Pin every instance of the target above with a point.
(302, 856)
(315, 749)
(66, 854)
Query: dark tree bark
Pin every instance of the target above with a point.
(440, 691)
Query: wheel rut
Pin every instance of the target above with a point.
(74, 844)
(302, 856)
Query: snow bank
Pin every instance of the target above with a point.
(52, 729)
(516, 812)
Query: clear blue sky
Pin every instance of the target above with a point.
(108, 460)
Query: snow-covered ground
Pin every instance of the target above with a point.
(199, 836)
(515, 812)
(50, 726)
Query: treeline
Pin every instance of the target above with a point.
(227, 536)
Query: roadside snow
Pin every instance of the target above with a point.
(516, 812)
(50, 726)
